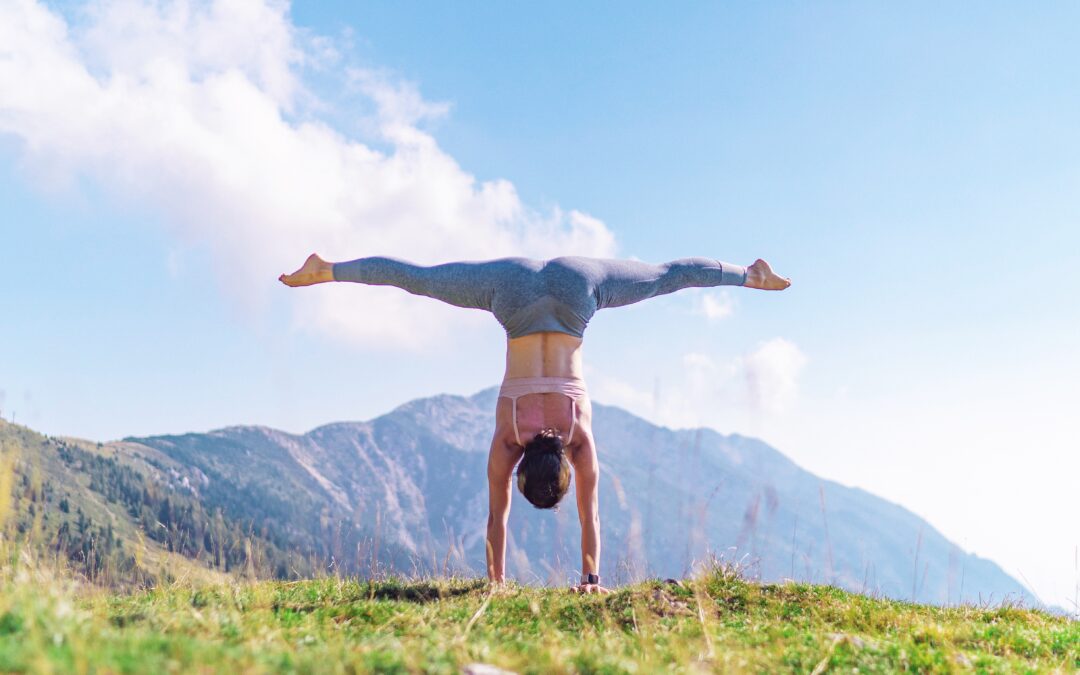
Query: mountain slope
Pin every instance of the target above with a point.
(118, 515)
(408, 489)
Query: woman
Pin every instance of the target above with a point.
(543, 418)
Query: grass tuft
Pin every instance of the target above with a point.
(712, 621)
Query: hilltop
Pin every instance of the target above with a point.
(715, 621)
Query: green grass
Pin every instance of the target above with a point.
(714, 622)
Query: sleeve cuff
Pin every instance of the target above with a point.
(731, 275)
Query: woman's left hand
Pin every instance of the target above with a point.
(590, 588)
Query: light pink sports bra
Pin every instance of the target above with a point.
(571, 387)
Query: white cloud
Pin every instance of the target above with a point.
(614, 390)
(771, 373)
(733, 393)
(199, 112)
(714, 305)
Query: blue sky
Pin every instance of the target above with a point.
(914, 169)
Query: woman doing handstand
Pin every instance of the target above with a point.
(543, 418)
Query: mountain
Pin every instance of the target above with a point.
(97, 512)
(407, 491)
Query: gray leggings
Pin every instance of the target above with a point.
(532, 296)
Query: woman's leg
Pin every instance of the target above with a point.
(463, 284)
(624, 282)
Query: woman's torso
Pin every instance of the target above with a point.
(546, 354)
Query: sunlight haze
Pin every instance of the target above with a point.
(914, 169)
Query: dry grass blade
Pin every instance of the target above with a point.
(823, 664)
(709, 653)
(479, 612)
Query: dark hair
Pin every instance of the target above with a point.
(543, 475)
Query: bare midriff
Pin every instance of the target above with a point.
(548, 354)
(544, 355)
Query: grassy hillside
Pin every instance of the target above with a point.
(127, 516)
(121, 516)
(716, 622)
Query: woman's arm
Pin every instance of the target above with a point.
(501, 461)
(587, 480)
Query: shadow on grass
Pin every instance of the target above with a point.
(423, 592)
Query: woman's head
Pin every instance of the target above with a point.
(543, 475)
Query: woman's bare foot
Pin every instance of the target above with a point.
(760, 275)
(314, 271)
